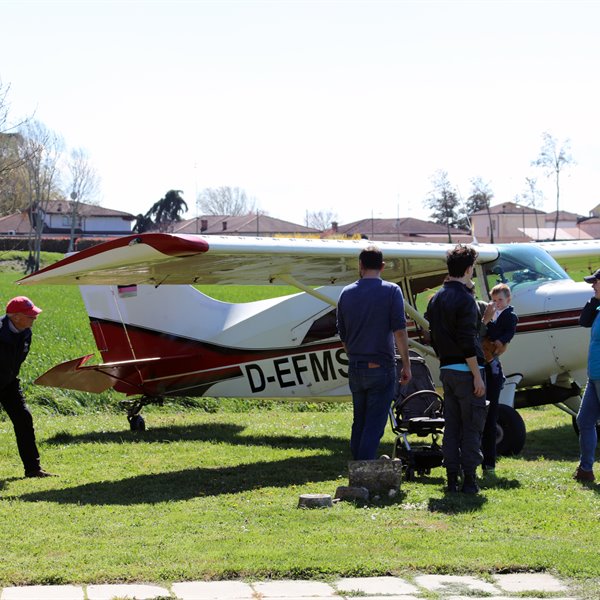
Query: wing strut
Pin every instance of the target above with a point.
(412, 312)
(291, 280)
(419, 319)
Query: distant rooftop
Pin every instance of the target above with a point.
(250, 224)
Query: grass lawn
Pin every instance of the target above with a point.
(212, 496)
(212, 493)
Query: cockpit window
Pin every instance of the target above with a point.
(522, 264)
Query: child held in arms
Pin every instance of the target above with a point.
(501, 322)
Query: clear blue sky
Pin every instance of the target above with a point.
(311, 105)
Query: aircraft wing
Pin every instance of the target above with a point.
(575, 255)
(161, 258)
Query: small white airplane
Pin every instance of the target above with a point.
(161, 337)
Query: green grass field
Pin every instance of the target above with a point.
(212, 493)
(203, 496)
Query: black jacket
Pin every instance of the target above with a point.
(504, 328)
(454, 324)
(589, 312)
(14, 348)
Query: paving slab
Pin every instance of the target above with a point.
(528, 582)
(487, 598)
(437, 583)
(386, 597)
(502, 598)
(125, 590)
(293, 589)
(375, 586)
(43, 592)
(317, 598)
(212, 590)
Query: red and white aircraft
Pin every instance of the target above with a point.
(160, 337)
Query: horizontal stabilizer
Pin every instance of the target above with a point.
(73, 375)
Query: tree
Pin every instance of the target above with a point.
(142, 223)
(553, 159)
(480, 199)
(224, 201)
(12, 180)
(443, 201)
(532, 197)
(40, 152)
(167, 210)
(321, 219)
(84, 186)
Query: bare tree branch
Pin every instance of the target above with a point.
(321, 219)
(84, 186)
(553, 159)
(41, 150)
(224, 200)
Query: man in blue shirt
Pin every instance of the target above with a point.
(372, 326)
(589, 411)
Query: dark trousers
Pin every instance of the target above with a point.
(372, 395)
(464, 418)
(494, 381)
(11, 398)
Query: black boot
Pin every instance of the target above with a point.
(470, 484)
(452, 482)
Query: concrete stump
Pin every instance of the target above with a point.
(352, 494)
(315, 501)
(378, 476)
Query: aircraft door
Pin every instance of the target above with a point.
(568, 341)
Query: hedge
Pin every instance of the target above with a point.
(50, 244)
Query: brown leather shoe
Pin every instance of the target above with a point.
(39, 473)
(581, 475)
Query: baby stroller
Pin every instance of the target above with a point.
(417, 410)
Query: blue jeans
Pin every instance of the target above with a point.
(494, 382)
(587, 417)
(372, 395)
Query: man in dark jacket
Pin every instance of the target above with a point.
(453, 318)
(15, 340)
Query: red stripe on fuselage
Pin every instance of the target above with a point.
(186, 367)
(555, 320)
(537, 322)
(149, 343)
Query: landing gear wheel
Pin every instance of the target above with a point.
(510, 431)
(137, 423)
(133, 408)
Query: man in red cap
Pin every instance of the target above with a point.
(15, 340)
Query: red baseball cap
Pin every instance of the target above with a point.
(22, 305)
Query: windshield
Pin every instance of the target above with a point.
(521, 264)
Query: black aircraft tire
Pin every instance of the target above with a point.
(511, 433)
(137, 423)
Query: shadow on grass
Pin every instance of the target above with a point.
(457, 503)
(192, 483)
(502, 483)
(556, 443)
(211, 432)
